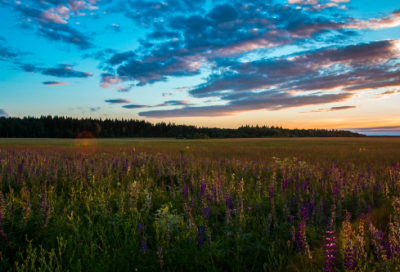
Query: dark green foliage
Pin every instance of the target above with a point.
(67, 127)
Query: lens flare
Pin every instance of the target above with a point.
(85, 143)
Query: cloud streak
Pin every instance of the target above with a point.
(333, 109)
(117, 101)
(54, 83)
(166, 103)
(62, 70)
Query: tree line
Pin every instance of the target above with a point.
(68, 127)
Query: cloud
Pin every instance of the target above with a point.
(378, 131)
(66, 34)
(134, 106)
(260, 101)
(333, 109)
(386, 93)
(388, 21)
(3, 113)
(52, 24)
(166, 103)
(107, 79)
(117, 101)
(181, 43)
(167, 94)
(7, 53)
(94, 109)
(352, 68)
(55, 83)
(63, 70)
(317, 5)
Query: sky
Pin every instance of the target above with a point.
(216, 63)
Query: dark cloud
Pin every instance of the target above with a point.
(63, 70)
(95, 109)
(261, 101)
(55, 83)
(166, 103)
(117, 101)
(133, 106)
(66, 34)
(184, 43)
(100, 55)
(342, 108)
(351, 68)
(118, 58)
(7, 53)
(333, 109)
(3, 113)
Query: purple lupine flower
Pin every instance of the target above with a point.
(304, 213)
(271, 191)
(141, 228)
(350, 258)
(144, 246)
(291, 218)
(330, 251)
(185, 192)
(228, 201)
(202, 188)
(201, 237)
(21, 168)
(284, 185)
(311, 208)
(206, 212)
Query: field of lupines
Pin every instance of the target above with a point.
(254, 205)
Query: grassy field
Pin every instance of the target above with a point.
(303, 204)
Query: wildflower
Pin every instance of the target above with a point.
(141, 228)
(206, 212)
(200, 236)
(144, 246)
(271, 191)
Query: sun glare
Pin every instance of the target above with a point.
(397, 43)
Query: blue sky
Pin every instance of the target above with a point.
(292, 63)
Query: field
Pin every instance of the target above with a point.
(303, 204)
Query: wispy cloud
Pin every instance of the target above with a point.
(333, 109)
(118, 101)
(166, 103)
(55, 83)
(62, 70)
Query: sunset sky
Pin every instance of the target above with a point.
(291, 63)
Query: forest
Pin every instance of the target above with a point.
(68, 127)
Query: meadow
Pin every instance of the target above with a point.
(298, 204)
